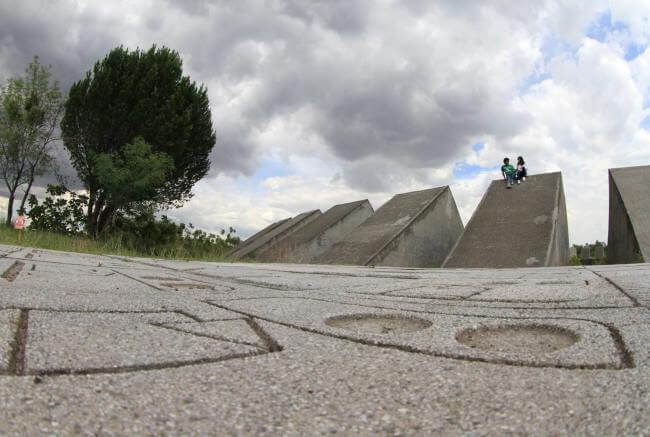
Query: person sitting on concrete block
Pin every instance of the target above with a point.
(521, 170)
(508, 172)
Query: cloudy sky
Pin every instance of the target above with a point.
(319, 102)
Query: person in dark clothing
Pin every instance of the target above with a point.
(521, 173)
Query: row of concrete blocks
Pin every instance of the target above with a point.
(522, 227)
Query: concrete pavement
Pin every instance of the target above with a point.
(109, 345)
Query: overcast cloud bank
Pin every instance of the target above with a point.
(323, 102)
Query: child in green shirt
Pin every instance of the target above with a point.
(508, 172)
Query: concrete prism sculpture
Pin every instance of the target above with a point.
(257, 235)
(315, 238)
(415, 229)
(628, 238)
(522, 227)
(267, 239)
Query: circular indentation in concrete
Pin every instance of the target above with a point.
(535, 339)
(378, 323)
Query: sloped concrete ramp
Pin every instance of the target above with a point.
(414, 229)
(276, 234)
(525, 226)
(315, 238)
(628, 240)
(257, 235)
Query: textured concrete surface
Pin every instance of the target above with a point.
(416, 229)
(629, 214)
(110, 345)
(266, 238)
(525, 226)
(315, 238)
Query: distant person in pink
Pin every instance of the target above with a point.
(521, 170)
(19, 225)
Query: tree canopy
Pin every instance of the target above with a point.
(30, 110)
(137, 104)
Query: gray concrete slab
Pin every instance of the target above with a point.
(272, 236)
(311, 349)
(314, 239)
(525, 226)
(416, 229)
(63, 342)
(232, 330)
(629, 214)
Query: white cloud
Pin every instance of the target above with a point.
(377, 98)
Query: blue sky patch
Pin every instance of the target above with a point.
(634, 50)
(531, 80)
(463, 170)
(269, 168)
(603, 26)
(645, 123)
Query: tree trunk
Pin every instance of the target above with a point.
(29, 187)
(93, 218)
(10, 207)
(104, 219)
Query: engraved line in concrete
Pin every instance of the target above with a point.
(635, 302)
(625, 362)
(18, 345)
(199, 334)
(144, 367)
(271, 344)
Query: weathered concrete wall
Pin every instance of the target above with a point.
(275, 235)
(525, 226)
(629, 214)
(412, 230)
(316, 237)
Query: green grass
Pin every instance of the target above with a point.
(80, 244)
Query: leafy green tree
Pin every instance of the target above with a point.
(30, 110)
(131, 177)
(133, 94)
(62, 213)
